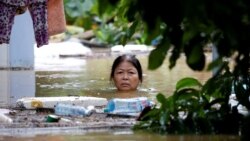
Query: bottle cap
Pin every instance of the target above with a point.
(53, 118)
(106, 110)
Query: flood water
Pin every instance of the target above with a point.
(118, 136)
(90, 77)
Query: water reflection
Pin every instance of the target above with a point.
(15, 85)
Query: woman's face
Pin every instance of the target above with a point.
(126, 77)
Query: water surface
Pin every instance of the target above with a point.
(118, 136)
(91, 77)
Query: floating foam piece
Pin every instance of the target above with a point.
(50, 102)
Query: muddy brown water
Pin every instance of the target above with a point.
(90, 77)
(117, 136)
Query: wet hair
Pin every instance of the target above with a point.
(128, 58)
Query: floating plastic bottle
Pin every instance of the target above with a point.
(127, 105)
(5, 119)
(72, 110)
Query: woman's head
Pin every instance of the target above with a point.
(126, 72)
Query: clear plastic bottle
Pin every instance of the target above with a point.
(127, 105)
(72, 110)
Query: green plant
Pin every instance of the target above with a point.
(197, 109)
(187, 26)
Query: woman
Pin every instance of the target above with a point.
(126, 73)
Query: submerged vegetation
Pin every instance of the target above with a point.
(183, 26)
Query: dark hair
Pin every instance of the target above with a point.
(129, 58)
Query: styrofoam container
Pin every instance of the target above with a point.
(50, 102)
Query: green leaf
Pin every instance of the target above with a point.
(132, 29)
(154, 33)
(174, 56)
(196, 58)
(157, 56)
(161, 98)
(214, 64)
(187, 83)
(104, 7)
(188, 94)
